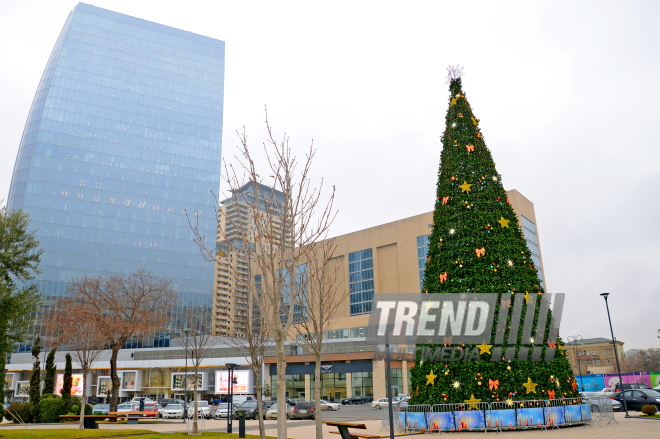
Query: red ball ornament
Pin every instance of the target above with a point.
(453, 178)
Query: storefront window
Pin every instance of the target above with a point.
(362, 383)
(397, 381)
(333, 386)
(295, 386)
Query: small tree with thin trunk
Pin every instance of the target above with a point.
(51, 371)
(287, 214)
(198, 341)
(35, 381)
(77, 327)
(319, 299)
(125, 307)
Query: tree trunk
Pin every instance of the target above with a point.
(281, 385)
(260, 404)
(195, 400)
(84, 400)
(116, 384)
(317, 397)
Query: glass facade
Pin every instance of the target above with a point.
(361, 281)
(122, 139)
(422, 250)
(362, 383)
(397, 381)
(333, 386)
(529, 229)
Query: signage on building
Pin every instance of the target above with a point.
(243, 378)
(77, 384)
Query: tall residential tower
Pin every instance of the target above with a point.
(122, 139)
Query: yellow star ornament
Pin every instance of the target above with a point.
(472, 402)
(529, 386)
(526, 296)
(484, 348)
(465, 187)
(430, 378)
(503, 222)
(453, 102)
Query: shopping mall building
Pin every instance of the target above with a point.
(389, 258)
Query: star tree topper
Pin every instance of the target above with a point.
(454, 73)
(430, 378)
(529, 386)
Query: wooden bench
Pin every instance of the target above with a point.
(343, 430)
(133, 417)
(90, 420)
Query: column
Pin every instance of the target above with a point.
(404, 377)
(308, 387)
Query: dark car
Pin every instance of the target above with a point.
(628, 386)
(368, 398)
(636, 398)
(250, 408)
(166, 401)
(353, 400)
(303, 410)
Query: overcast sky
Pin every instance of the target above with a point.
(566, 92)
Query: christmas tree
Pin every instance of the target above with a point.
(477, 246)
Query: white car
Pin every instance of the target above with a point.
(203, 409)
(608, 391)
(222, 410)
(126, 407)
(380, 403)
(330, 406)
(172, 411)
(272, 412)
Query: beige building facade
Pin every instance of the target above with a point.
(389, 258)
(594, 355)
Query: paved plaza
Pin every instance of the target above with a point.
(305, 429)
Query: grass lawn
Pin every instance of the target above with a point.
(144, 434)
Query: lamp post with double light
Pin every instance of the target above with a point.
(616, 356)
(230, 386)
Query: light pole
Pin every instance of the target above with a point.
(185, 383)
(577, 339)
(616, 356)
(230, 408)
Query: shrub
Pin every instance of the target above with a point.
(649, 409)
(2, 412)
(74, 410)
(50, 409)
(21, 411)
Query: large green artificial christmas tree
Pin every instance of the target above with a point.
(477, 246)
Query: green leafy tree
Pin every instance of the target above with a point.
(51, 370)
(35, 382)
(19, 261)
(477, 246)
(67, 381)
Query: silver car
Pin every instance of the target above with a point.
(272, 412)
(325, 405)
(172, 411)
(222, 410)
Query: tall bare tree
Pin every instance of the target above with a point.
(77, 326)
(643, 360)
(125, 307)
(319, 299)
(287, 214)
(196, 338)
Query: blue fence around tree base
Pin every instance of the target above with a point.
(479, 416)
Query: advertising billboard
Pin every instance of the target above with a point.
(9, 381)
(242, 385)
(22, 388)
(178, 379)
(104, 386)
(77, 383)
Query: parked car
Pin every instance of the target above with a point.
(222, 410)
(272, 412)
(626, 386)
(607, 391)
(368, 398)
(150, 407)
(172, 410)
(203, 409)
(126, 407)
(616, 405)
(352, 400)
(325, 405)
(380, 403)
(636, 398)
(251, 409)
(303, 410)
(137, 399)
(164, 402)
(101, 409)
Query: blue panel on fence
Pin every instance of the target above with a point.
(470, 420)
(586, 412)
(572, 413)
(440, 421)
(416, 420)
(530, 417)
(500, 418)
(402, 418)
(554, 416)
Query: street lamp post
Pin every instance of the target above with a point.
(616, 356)
(577, 339)
(230, 408)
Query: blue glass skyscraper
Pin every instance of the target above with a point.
(124, 136)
